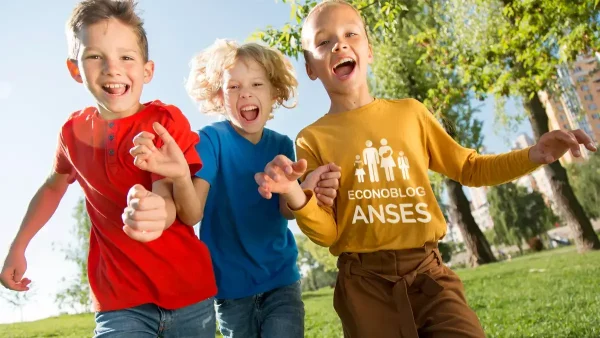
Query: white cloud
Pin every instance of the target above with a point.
(5, 90)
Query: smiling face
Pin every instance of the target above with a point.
(248, 97)
(111, 65)
(336, 48)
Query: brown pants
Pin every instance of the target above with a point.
(406, 293)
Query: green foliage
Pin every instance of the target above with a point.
(549, 294)
(76, 296)
(321, 265)
(446, 251)
(585, 180)
(518, 214)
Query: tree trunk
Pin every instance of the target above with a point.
(478, 248)
(569, 208)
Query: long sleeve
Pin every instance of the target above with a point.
(317, 223)
(466, 165)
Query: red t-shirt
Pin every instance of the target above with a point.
(172, 271)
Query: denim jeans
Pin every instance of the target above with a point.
(273, 314)
(149, 320)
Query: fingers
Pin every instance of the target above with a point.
(12, 279)
(280, 166)
(299, 167)
(150, 220)
(334, 167)
(140, 236)
(263, 181)
(327, 192)
(585, 139)
(324, 200)
(144, 138)
(137, 191)
(163, 133)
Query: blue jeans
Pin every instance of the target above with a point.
(149, 320)
(273, 314)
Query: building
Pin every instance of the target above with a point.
(575, 104)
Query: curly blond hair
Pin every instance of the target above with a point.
(205, 81)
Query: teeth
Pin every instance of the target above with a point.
(114, 85)
(247, 108)
(343, 61)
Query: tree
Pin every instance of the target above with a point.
(518, 215)
(17, 299)
(513, 48)
(398, 72)
(76, 295)
(585, 178)
(319, 272)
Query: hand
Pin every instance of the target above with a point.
(145, 215)
(279, 176)
(168, 161)
(324, 181)
(554, 144)
(13, 270)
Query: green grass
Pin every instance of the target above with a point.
(549, 294)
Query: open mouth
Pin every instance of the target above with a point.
(344, 67)
(249, 112)
(116, 89)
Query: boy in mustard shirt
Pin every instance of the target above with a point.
(386, 223)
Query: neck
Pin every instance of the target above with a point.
(341, 102)
(108, 115)
(254, 138)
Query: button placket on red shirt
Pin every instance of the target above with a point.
(112, 146)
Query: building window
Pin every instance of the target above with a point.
(581, 79)
(565, 126)
(577, 69)
(560, 108)
(596, 116)
(592, 106)
(589, 97)
(585, 88)
(562, 117)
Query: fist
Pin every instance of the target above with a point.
(145, 216)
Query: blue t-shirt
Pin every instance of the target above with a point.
(252, 249)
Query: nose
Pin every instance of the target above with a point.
(340, 46)
(246, 94)
(111, 67)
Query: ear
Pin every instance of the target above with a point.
(370, 58)
(74, 70)
(311, 74)
(148, 72)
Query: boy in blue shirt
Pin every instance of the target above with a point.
(254, 253)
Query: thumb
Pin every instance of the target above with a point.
(137, 191)
(334, 167)
(163, 133)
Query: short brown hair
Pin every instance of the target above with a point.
(321, 5)
(89, 12)
(206, 74)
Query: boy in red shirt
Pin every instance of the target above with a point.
(151, 278)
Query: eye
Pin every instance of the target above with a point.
(127, 58)
(92, 57)
(323, 43)
(257, 84)
(348, 35)
(233, 87)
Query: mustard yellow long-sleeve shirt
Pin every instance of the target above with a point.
(385, 200)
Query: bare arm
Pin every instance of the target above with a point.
(164, 189)
(191, 210)
(283, 208)
(41, 207)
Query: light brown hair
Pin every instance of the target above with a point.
(89, 12)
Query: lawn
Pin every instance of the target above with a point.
(549, 294)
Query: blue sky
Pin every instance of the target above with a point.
(37, 94)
